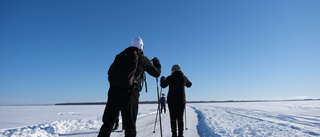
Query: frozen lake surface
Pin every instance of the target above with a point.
(285, 119)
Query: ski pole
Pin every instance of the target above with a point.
(185, 113)
(155, 122)
(159, 107)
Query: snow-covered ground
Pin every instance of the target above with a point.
(282, 119)
(289, 119)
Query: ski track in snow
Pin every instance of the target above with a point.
(285, 119)
(215, 121)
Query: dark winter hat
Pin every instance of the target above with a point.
(176, 67)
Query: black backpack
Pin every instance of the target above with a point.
(122, 71)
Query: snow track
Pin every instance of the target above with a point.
(254, 119)
(89, 127)
(145, 125)
(203, 129)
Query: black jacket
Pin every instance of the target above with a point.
(163, 101)
(145, 65)
(176, 81)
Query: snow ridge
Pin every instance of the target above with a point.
(203, 129)
(55, 128)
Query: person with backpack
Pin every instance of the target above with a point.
(163, 103)
(125, 76)
(176, 97)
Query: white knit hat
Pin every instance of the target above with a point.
(137, 42)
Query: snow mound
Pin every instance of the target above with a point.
(54, 129)
(203, 129)
(69, 113)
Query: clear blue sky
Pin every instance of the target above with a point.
(56, 51)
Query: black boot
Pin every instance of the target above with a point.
(174, 133)
(180, 128)
(174, 128)
(104, 131)
(180, 134)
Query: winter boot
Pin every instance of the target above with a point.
(180, 128)
(180, 134)
(174, 134)
(174, 128)
(104, 131)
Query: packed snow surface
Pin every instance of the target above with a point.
(283, 119)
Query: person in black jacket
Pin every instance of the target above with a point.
(127, 99)
(176, 97)
(163, 103)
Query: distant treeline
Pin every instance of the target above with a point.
(155, 102)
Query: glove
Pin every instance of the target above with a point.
(162, 78)
(156, 62)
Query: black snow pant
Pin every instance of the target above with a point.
(176, 115)
(125, 100)
(117, 122)
(163, 107)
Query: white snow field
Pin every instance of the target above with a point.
(274, 119)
